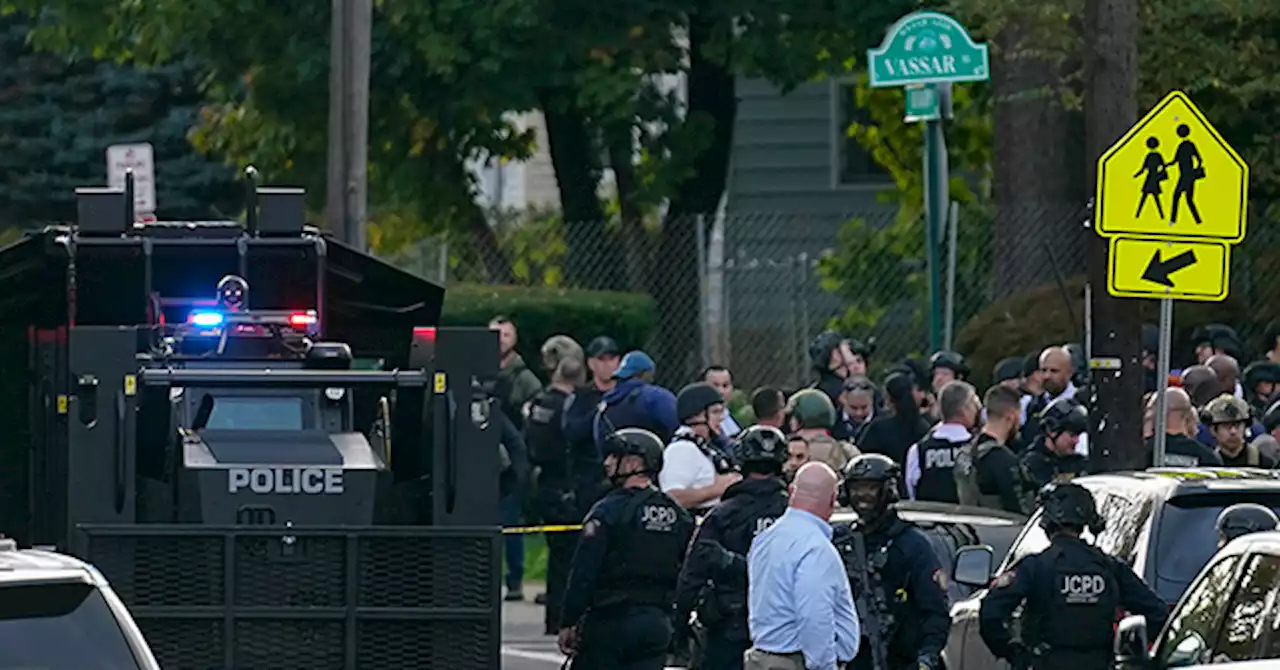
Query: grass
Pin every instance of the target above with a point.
(535, 559)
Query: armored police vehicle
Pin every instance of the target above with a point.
(257, 434)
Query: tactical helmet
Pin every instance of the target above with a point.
(636, 442)
(1226, 408)
(1259, 372)
(762, 444)
(695, 399)
(558, 348)
(872, 468)
(1007, 369)
(949, 360)
(1064, 415)
(863, 348)
(1068, 504)
(1244, 518)
(821, 347)
(812, 409)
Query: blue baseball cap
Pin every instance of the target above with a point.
(633, 364)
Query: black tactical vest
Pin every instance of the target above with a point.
(543, 432)
(936, 458)
(646, 549)
(1077, 610)
(968, 485)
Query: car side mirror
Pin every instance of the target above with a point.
(973, 566)
(1131, 644)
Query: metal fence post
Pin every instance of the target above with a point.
(704, 334)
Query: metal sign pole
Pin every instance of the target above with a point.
(1162, 382)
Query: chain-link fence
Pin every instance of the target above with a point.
(750, 291)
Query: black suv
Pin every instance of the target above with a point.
(1160, 521)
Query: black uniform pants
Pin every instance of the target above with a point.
(1072, 659)
(631, 638)
(560, 548)
(724, 652)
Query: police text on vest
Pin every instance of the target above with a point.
(310, 481)
(1083, 589)
(658, 517)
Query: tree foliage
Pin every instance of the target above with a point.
(59, 115)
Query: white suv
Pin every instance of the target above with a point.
(58, 613)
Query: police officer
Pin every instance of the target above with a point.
(811, 418)
(617, 608)
(716, 570)
(987, 473)
(1053, 456)
(931, 463)
(696, 472)
(906, 599)
(946, 367)
(1242, 519)
(558, 469)
(1229, 421)
(1072, 592)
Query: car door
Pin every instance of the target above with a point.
(1193, 626)
(1247, 627)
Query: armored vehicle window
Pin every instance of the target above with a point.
(60, 627)
(1186, 638)
(253, 413)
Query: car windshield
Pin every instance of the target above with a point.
(60, 627)
(1188, 537)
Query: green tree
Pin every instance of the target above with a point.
(879, 267)
(59, 115)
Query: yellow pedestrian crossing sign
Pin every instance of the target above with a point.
(1173, 269)
(1173, 175)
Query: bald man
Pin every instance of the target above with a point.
(1227, 370)
(1181, 449)
(1056, 371)
(800, 608)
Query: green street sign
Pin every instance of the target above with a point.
(922, 103)
(927, 48)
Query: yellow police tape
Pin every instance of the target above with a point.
(529, 530)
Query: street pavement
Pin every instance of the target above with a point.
(524, 647)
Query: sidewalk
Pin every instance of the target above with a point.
(523, 621)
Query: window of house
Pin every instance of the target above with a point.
(853, 165)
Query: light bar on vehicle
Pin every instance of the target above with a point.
(302, 319)
(206, 319)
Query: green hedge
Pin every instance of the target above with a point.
(541, 312)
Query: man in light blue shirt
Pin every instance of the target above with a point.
(800, 609)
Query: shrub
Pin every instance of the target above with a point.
(541, 312)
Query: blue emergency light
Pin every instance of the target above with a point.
(206, 319)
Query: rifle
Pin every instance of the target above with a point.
(873, 612)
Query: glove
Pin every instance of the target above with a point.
(929, 662)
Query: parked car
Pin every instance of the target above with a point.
(1161, 522)
(1230, 614)
(58, 613)
(951, 527)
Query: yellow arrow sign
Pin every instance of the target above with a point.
(1174, 269)
(1172, 175)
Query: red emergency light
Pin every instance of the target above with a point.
(302, 319)
(424, 334)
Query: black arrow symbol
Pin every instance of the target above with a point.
(1158, 271)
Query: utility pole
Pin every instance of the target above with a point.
(348, 180)
(1111, 107)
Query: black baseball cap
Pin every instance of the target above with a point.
(603, 345)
